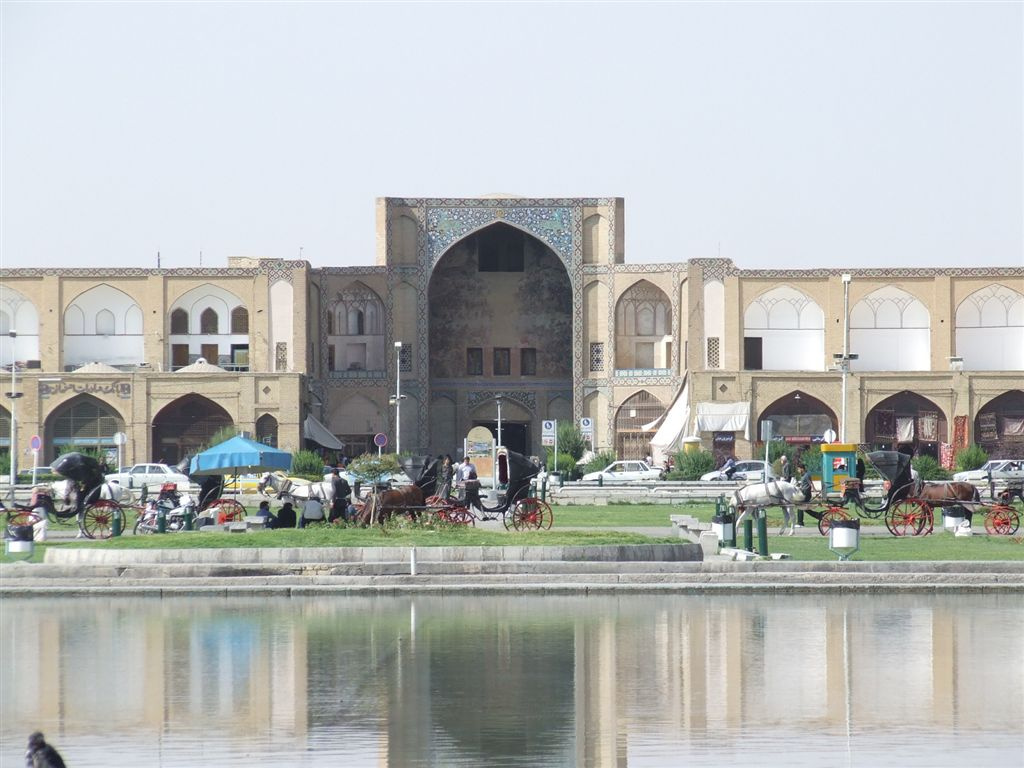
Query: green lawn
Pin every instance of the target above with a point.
(601, 522)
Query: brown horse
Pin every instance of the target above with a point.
(382, 505)
(948, 491)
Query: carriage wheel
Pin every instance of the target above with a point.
(530, 513)
(1002, 520)
(830, 514)
(455, 514)
(909, 518)
(98, 519)
(226, 510)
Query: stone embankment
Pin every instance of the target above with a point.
(655, 568)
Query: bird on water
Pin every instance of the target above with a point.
(42, 755)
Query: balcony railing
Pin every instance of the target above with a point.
(642, 372)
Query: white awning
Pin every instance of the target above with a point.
(318, 433)
(723, 417)
(669, 437)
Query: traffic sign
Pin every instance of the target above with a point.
(120, 438)
(380, 440)
(35, 443)
(547, 432)
(587, 429)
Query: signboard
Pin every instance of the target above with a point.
(587, 429)
(35, 443)
(380, 439)
(120, 438)
(547, 432)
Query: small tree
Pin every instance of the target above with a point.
(690, 466)
(372, 468)
(570, 441)
(929, 468)
(308, 465)
(971, 457)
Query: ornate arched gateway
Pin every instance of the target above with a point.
(500, 323)
(82, 422)
(799, 418)
(907, 422)
(185, 426)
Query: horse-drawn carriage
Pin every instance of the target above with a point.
(909, 504)
(83, 496)
(516, 507)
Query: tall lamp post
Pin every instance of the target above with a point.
(497, 399)
(14, 399)
(847, 277)
(398, 397)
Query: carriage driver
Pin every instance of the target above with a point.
(340, 506)
(804, 483)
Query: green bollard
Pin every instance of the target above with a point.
(762, 534)
(118, 522)
(748, 534)
(600, 481)
(188, 517)
(161, 519)
(561, 480)
(544, 489)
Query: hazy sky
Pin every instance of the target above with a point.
(781, 135)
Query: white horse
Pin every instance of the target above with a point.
(777, 493)
(66, 491)
(298, 490)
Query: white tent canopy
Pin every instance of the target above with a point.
(724, 417)
(318, 433)
(674, 422)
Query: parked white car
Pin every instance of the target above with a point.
(625, 472)
(751, 470)
(149, 475)
(1000, 469)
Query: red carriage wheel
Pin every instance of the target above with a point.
(22, 517)
(530, 513)
(98, 519)
(908, 518)
(226, 510)
(830, 514)
(1002, 520)
(456, 514)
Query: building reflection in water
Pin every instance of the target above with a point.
(602, 681)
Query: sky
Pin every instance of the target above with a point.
(779, 135)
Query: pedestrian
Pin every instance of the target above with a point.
(447, 473)
(286, 516)
(804, 483)
(787, 469)
(269, 521)
(342, 491)
(312, 511)
(470, 481)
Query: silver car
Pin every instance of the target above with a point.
(149, 475)
(751, 470)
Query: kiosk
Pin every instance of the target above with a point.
(838, 464)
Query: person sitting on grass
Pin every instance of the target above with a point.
(268, 518)
(312, 512)
(286, 516)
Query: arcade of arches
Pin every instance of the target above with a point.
(186, 426)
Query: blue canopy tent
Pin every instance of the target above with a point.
(239, 456)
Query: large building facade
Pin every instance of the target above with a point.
(524, 302)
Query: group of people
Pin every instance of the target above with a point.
(313, 508)
(463, 474)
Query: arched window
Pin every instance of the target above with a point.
(643, 320)
(104, 323)
(240, 320)
(356, 322)
(208, 322)
(330, 323)
(179, 321)
(266, 430)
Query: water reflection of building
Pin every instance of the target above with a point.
(565, 680)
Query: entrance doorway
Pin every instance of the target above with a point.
(515, 435)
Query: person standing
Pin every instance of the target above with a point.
(470, 481)
(342, 491)
(804, 483)
(444, 490)
(787, 469)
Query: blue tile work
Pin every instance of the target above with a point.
(551, 225)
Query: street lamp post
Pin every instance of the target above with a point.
(847, 277)
(398, 397)
(497, 399)
(14, 398)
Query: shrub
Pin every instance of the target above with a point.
(371, 468)
(570, 441)
(566, 463)
(308, 465)
(600, 461)
(690, 466)
(929, 468)
(971, 457)
(810, 457)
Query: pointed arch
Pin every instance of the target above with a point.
(714, 324)
(595, 325)
(185, 425)
(643, 324)
(82, 421)
(356, 329)
(999, 425)
(206, 322)
(890, 330)
(94, 316)
(799, 415)
(990, 329)
(635, 412)
(266, 430)
(595, 239)
(784, 330)
(908, 422)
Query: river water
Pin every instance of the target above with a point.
(634, 680)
